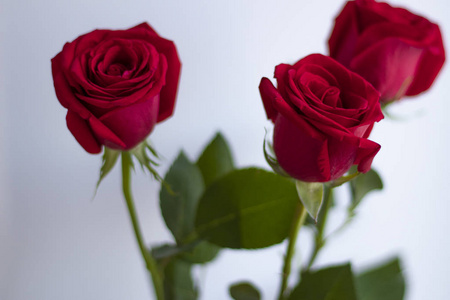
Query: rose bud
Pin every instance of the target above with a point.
(399, 52)
(323, 114)
(116, 85)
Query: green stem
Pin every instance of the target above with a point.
(299, 219)
(319, 240)
(148, 258)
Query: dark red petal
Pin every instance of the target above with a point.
(302, 122)
(132, 124)
(366, 153)
(169, 91)
(429, 66)
(82, 133)
(299, 153)
(344, 36)
(104, 135)
(268, 96)
(389, 66)
(281, 74)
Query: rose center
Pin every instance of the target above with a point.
(331, 97)
(117, 69)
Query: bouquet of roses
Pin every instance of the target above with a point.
(118, 84)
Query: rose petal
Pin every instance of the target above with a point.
(133, 123)
(345, 34)
(268, 95)
(388, 66)
(292, 145)
(82, 133)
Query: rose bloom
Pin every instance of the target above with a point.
(116, 85)
(323, 114)
(399, 52)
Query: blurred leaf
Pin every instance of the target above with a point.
(179, 206)
(244, 291)
(334, 283)
(166, 251)
(216, 160)
(363, 184)
(247, 208)
(311, 195)
(202, 253)
(178, 283)
(194, 253)
(382, 282)
(109, 160)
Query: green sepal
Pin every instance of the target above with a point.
(271, 159)
(109, 160)
(216, 159)
(248, 208)
(362, 185)
(333, 283)
(144, 153)
(384, 281)
(179, 205)
(343, 179)
(244, 291)
(311, 196)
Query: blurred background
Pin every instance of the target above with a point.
(58, 243)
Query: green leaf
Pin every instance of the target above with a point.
(383, 282)
(247, 208)
(216, 160)
(311, 195)
(166, 251)
(179, 205)
(334, 283)
(244, 291)
(202, 253)
(178, 283)
(109, 160)
(363, 184)
(194, 253)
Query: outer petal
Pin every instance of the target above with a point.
(429, 66)
(132, 124)
(299, 154)
(366, 153)
(169, 50)
(268, 95)
(169, 91)
(345, 33)
(82, 133)
(389, 65)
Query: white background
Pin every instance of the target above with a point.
(56, 243)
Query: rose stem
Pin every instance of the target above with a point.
(148, 258)
(299, 219)
(319, 240)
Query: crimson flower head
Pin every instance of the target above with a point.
(116, 85)
(398, 52)
(323, 114)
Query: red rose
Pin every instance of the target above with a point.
(323, 114)
(400, 53)
(116, 85)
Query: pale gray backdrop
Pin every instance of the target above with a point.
(55, 243)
